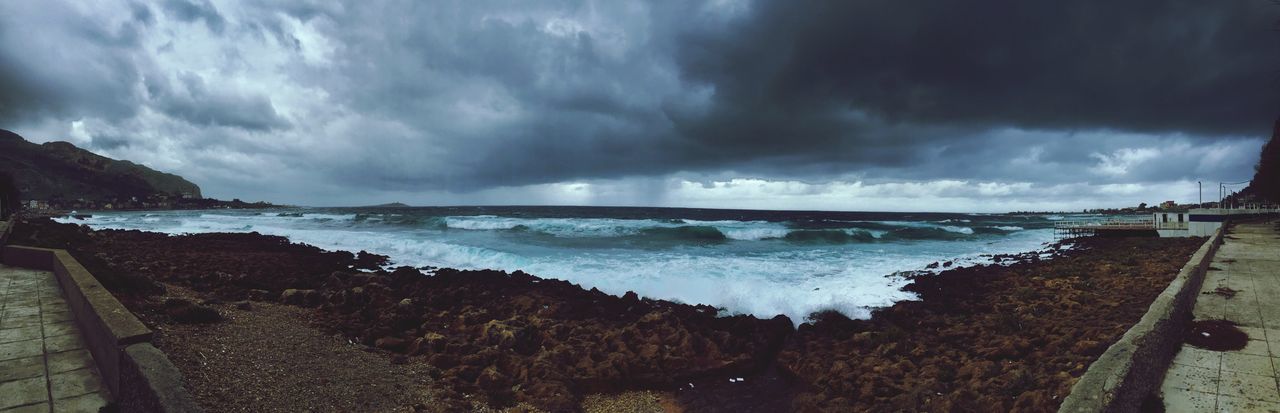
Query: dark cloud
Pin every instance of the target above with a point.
(409, 96)
(825, 88)
(1185, 65)
(57, 62)
(192, 10)
(109, 142)
(202, 104)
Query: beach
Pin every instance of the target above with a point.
(1013, 333)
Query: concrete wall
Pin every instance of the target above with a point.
(138, 375)
(1173, 233)
(1133, 367)
(1203, 229)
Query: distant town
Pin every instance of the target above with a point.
(152, 202)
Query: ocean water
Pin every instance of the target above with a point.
(746, 262)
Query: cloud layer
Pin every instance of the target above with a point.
(663, 103)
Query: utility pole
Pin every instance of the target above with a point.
(1221, 189)
(1200, 189)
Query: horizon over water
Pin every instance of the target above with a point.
(757, 262)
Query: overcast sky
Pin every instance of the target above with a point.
(936, 105)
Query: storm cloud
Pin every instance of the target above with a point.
(657, 103)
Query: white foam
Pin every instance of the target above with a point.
(958, 230)
(745, 230)
(564, 227)
(754, 234)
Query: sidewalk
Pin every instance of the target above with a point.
(1235, 381)
(44, 365)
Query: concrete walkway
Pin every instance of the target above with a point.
(44, 366)
(1235, 381)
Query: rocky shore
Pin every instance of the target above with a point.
(1011, 336)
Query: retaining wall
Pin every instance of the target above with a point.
(140, 377)
(1133, 368)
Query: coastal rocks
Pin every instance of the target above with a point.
(1008, 337)
(391, 344)
(518, 338)
(186, 312)
(429, 343)
(258, 295)
(369, 261)
(511, 334)
(305, 298)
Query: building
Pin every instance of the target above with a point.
(1168, 205)
(37, 205)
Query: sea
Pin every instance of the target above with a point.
(762, 263)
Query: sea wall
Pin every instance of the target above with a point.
(1133, 367)
(138, 375)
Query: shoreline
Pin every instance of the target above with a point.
(489, 332)
(764, 272)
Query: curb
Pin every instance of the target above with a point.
(1134, 367)
(140, 377)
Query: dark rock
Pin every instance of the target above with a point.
(187, 312)
(370, 261)
(306, 298)
(391, 343)
(259, 295)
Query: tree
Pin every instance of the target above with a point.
(1266, 177)
(9, 198)
(1142, 205)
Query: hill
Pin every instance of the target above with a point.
(62, 171)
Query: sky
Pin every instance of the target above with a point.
(930, 105)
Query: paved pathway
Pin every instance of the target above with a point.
(1235, 381)
(44, 366)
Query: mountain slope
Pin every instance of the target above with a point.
(60, 170)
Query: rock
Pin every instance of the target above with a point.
(369, 261)
(187, 312)
(490, 380)
(259, 295)
(509, 334)
(391, 343)
(306, 298)
(428, 343)
(244, 305)
(361, 279)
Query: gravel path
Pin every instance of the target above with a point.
(269, 359)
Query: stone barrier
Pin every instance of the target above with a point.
(1133, 368)
(139, 376)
